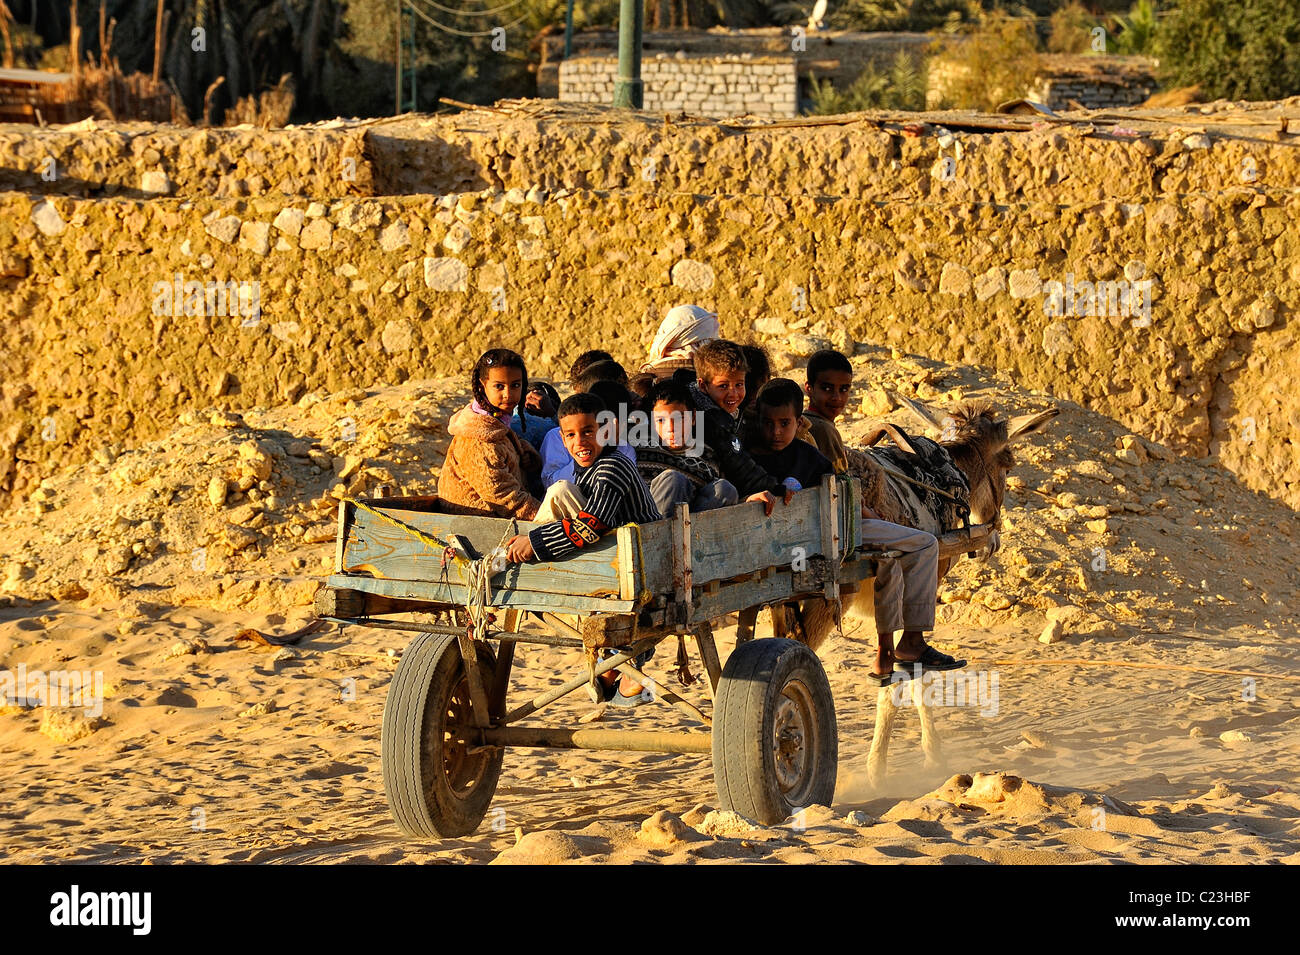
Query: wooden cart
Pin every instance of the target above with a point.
(446, 725)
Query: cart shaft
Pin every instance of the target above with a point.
(638, 741)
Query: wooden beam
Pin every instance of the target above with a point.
(709, 654)
(745, 628)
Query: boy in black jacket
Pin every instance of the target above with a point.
(773, 442)
(718, 391)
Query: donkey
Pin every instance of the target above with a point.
(970, 464)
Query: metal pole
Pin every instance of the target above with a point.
(627, 88)
(415, 102)
(568, 30)
(397, 32)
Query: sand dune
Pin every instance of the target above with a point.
(213, 750)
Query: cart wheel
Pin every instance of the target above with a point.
(775, 744)
(435, 786)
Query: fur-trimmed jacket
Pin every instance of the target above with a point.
(486, 467)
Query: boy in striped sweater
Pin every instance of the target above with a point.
(606, 492)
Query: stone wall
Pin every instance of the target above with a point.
(796, 235)
(1093, 82)
(716, 86)
(141, 159)
(837, 55)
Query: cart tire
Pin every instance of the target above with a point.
(775, 744)
(434, 787)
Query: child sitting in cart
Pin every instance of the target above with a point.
(489, 468)
(830, 383)
(718, 391)
(607, 492)
(557, 463)
(677, 468)
(773, 440)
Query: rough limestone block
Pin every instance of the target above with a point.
(316, 234)
(224, 229)
(1025, 283)
(256, 237)
(692, 275)
(955, 280)
(445, 274)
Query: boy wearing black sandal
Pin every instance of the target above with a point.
(905, 592)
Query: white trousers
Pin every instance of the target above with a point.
(563, 499)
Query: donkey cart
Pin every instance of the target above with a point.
(446, 724)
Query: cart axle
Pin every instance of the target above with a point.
(636, 741)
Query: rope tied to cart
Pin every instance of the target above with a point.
(476, 573)
(424, 537)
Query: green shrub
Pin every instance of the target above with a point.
(1001, 59)
(1135, 33)
(1232, 49)
(901, 86)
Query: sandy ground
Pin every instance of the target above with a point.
(209, 750)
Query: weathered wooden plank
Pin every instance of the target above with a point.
(656, 540)
(709, 656)
(859, 568)
(958, 542)
(852, 513)
(745, 626)
(735, 598)
(416, 502)
(832, 533)
(501, 679)
(344, 513)
(732, 599)
(478, 687)
(383, 550)
(455, 593)
(628, 565)
(682, 556)
(735, 540)
(336, 602)
(638, 741)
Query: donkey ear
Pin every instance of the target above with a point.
(896, 434)
(924, 414)
(1027, 424)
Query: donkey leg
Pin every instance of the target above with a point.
(886, 711)
(929, 734)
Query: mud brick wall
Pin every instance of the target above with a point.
(699, 86)
(547, 238)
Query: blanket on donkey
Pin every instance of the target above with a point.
(932, 465)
